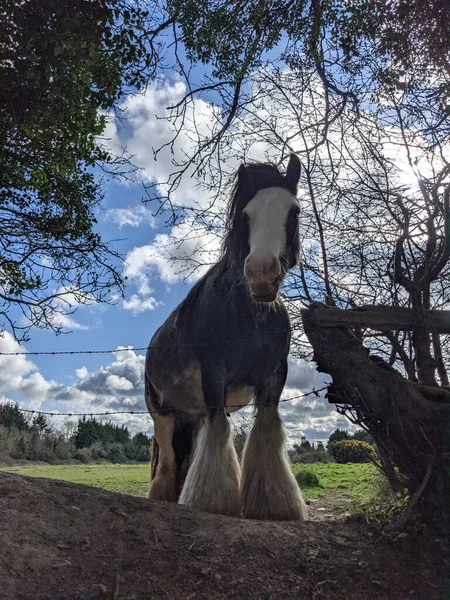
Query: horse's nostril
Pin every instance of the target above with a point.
(274, 269)
(262, 269)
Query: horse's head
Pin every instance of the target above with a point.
(271, 218)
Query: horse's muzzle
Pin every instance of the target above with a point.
(263, 275)
(264, 292)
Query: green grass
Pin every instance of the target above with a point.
(358, 481)
(127, 479)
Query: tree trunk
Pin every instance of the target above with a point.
(409, 422)
(426, 365)
(440, 365)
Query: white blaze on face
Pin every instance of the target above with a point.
(267, 213)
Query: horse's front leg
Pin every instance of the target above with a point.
(269, 490)
(212, 482)
(164, 468)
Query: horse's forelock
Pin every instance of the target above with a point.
(249, 181)
(257, 177)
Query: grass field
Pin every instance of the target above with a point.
(358, 481)
(127, 479)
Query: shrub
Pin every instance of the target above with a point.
(138, 449)
(7, 441)
(98, 452)
(311, 457)
(351, 451)
(116, 453)
(36, 442)
(83, 455)
(363, 436)
(307, 479)
(62, 448)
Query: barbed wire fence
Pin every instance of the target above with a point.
(129, 348)
(314, 391)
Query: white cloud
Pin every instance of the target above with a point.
(142, 130)
(117, 386)
(131, 216)
(117, 383)
(37, 387)
(67, 322)
(183, 255)
(138, 305)
(304, 376)
(82, 372)
(13, 369)
(19, 375)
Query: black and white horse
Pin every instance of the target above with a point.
(226, 344)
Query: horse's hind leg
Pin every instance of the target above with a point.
(164, 468)
(212, 482)
(269, 490)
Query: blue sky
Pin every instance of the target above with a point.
(114, 382)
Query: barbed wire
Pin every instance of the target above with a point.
(154, 347)
(161, 410)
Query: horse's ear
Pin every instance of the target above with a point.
(242, 174)
(293, 172)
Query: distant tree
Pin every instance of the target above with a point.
(138, 448)
(339, 435)
(40, 425)
(305, 445)
(12, 417)
(68, 430)
(86, 433)
(320, 447)
(110, 433)
(91, 431)
(140, 439)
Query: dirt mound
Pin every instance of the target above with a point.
(63, 541)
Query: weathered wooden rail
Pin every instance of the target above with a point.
(379, 318)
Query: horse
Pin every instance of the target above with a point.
(224, 346)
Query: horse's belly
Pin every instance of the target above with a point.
(239, 397)
(184, 392)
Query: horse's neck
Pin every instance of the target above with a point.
(230, 276)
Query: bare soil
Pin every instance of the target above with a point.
(335, 506)
(61, 541)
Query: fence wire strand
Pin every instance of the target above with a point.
(145, 348)
(161, 410)
(154, 347)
